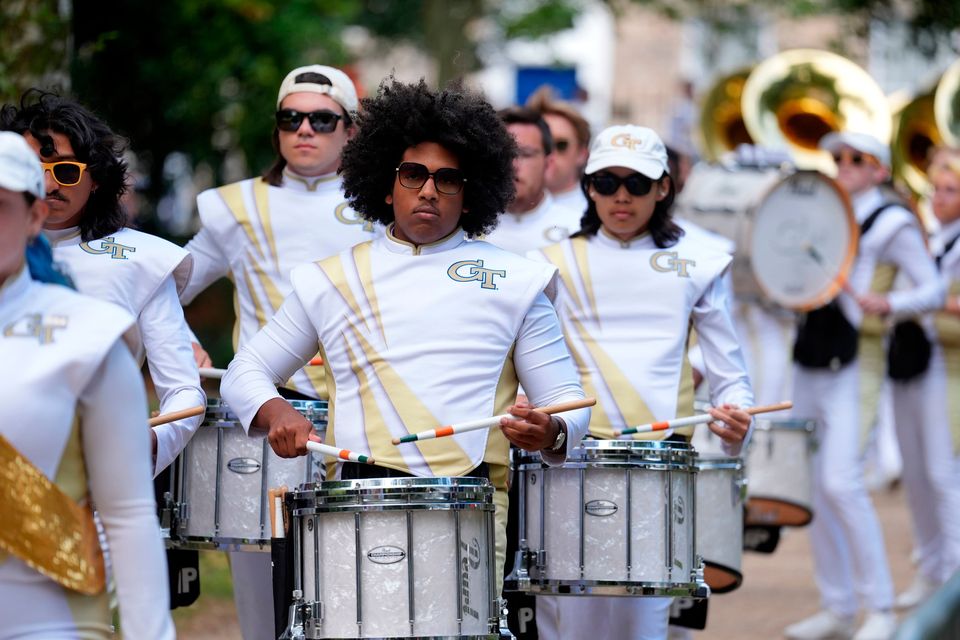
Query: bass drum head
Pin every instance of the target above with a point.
(803, 242)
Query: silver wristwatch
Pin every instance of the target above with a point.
(557, 445)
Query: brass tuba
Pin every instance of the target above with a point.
(721, 119)
(793, 99)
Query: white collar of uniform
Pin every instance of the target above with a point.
(395, 245)
(528, 216)
(15, 287)
(305, 184)
(606, 239)
(57, 237)
(866, 203)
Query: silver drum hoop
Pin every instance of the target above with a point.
(643, 454)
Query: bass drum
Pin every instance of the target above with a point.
(722, 199)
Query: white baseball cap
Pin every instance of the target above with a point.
(630, 146)
(862, 142)
(340, 88)
(19, 166)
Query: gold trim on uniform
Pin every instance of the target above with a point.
(579, 246)
(261, 200)
(361, 260)
(232, 196)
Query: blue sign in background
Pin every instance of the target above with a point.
(562, 79)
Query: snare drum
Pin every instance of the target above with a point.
(219, 484)
(720, 496)
(616, 519)
(779, 468)
(395, 557)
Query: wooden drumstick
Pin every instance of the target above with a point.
(211, 372)
(276, 495)
(698, 419)
(489, 423)
(173, 416)
(337, 452)
(819, 259)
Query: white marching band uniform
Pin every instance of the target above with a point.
(847, 542)
(547, 223)
(925, 410)
(144, 275)
(481, 323)
(572, 199)
(255, 234)
(626, 309)
(72, 406)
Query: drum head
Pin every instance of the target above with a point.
(804, 241)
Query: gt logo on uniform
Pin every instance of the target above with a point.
(35, 325)
(108, 245)
(667, 261)
(346, 215)
(470, 270)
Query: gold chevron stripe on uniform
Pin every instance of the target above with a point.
(882, 283)
(873, 367)
(378, 434)
(579, 245)
(951, 357)
(232, 196)
(333, 269)
(948, 324)
(51, 532)
(261, 198)
(598, 413)
(258, 311)
(444, 455)
(361, 259)
(628, 401)
(498, 447)
(554, 253)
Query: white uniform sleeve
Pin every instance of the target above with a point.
(209, 264)
(172, 369)
(725, 369)
(546, 370)
(275, 353)
(116, 447)
(907, 250)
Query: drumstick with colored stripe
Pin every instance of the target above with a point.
(316, 362)
(173, 416)
(489, 423)
(698, 419)
(819, 259)
(337, 452)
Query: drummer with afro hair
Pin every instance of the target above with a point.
(425, 325)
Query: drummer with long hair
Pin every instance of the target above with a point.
(632, 286)
(73, 432)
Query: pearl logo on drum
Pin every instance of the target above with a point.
(386, 554)
(469, 562)
(600, 508)
(243, 465)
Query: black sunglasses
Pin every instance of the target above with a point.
(414, 175)
(856, 159)
(607, 184)
(320, 121)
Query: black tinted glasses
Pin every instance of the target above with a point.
(320, 121)
(607, 184)
(414, 175)
(65, 172)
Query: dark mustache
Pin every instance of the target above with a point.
(55, 195)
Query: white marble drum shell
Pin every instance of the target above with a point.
(625, 511)
(395, 574)
(720, 503)
(779, 473)
(231, 512)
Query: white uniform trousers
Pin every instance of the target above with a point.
(929, 468)
(846, 538)
(602, 618)
(253, 593)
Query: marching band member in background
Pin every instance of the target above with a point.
(256, 231)
(926, 412)
(533, 218)
(633, 283)
(73, 431)
(420, 327)
(847, 542)
(571, 143)
(85, 178)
